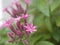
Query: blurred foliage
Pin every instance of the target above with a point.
(47, 19)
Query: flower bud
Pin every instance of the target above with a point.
(27, 2)
(10, 35)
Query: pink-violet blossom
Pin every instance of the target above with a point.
(17, 14)
(30, 28)
(27, 2)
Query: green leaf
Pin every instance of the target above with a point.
(11, 44)
(43, 7)
(38, 36)
(39, 20)
(48, 24)
(56, 34)
(58, 20)
(44, 43)
(56, 16)
(21, 43)
(55, 4)
(34, 37)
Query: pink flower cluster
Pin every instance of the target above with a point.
(17, 15)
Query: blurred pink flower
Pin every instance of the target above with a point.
(10, 35)
(17, 19)
(7, 23)
(17, 14)
(6, 10)
(26, 42)
(19, 6)
(18, 33)
(24, 16)
(30, 28)
(28, 1)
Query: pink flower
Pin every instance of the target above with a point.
(21, 28)
(10, 35)
(18, 5)
(12, 29)
(6, 10)
(14, 12)
(6, 24)
(9, 24)
(26, 42)
(30, 28)
(28, 1)
(24, 16)
(17, 19)
(18, 32)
